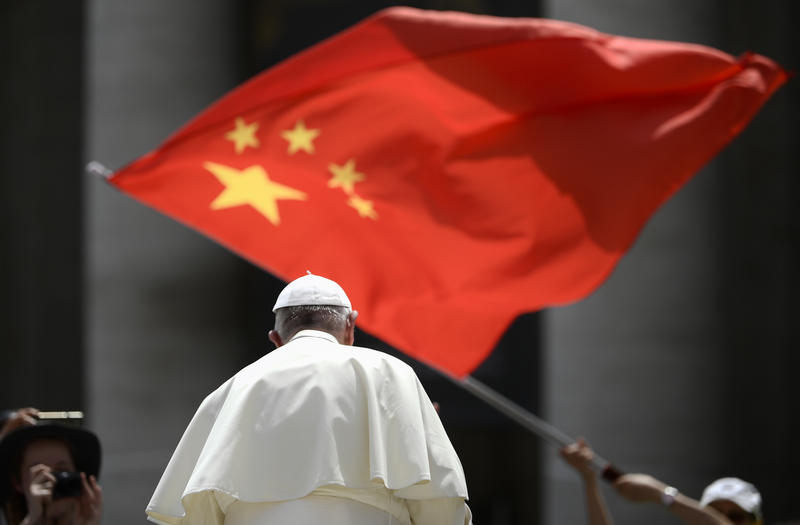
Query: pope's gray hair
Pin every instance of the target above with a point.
(292, 319)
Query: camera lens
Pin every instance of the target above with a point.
(68, 485)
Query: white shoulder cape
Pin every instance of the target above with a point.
(310, 413)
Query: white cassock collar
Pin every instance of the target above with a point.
(314, 333)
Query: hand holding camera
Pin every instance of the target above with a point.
(41, 491)
(48, 486)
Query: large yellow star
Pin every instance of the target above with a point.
(251, 186)
(300, 138)
(363, 207)
(243, 135)
(345, 177)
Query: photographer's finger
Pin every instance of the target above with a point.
(88, 490)
(40, 473)
(97, 490)
(42, 489)
(92, 489)
(36, 469)
(92, 499)
(41, 467)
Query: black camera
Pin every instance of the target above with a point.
(68, 485)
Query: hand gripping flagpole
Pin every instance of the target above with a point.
(529, 421)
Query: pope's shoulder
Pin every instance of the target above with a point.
(369, 353)
(304, 362)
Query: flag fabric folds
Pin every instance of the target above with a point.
(452, 171)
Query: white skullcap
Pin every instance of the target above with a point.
(310, 290)
(736, 490)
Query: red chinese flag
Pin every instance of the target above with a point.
(452, 171)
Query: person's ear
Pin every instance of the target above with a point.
(275, 338)
(17, 483)
(350, 328)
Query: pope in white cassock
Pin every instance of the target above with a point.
(316, 432)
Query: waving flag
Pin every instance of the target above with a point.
(452, 171)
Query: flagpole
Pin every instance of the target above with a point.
(529, 421)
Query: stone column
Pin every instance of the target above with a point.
(41, 197)
(160, 316)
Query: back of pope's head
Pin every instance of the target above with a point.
(313, 302)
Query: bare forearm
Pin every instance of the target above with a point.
(690, 512)
(595, 503)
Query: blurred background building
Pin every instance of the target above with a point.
(681, 365)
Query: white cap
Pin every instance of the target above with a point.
(310, 290)
(740, 492)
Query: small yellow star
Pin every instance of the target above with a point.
(251, 186)
(243, 135)
(363, 207)
(300, 138)
(345, 177)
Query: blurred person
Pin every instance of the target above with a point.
(48, 475)
(726, 501)
(316, 431)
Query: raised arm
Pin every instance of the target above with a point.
(579, 456)
(646, 488)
